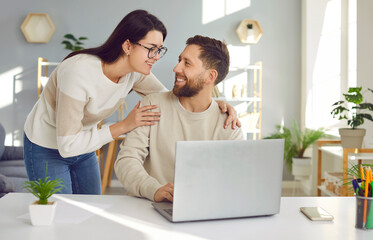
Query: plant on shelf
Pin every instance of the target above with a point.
(354, 110)
(42, 211)
(296, 142)
(72, 43)
(356, 118)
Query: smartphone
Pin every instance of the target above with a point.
(316, 214)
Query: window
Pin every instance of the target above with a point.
(329, 57)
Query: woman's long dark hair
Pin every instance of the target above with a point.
(134, 27)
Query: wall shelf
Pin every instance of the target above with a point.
(248, 101)
(249, 31)
(37, 28)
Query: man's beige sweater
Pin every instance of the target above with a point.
(146, 158)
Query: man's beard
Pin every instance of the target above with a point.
(188, 90)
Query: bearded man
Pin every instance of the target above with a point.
(145, 163)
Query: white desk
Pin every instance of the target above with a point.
(133, 218)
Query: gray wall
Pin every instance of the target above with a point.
(279, 47)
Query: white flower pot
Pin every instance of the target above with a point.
(352, 138)
(42, 215)
(302, 168)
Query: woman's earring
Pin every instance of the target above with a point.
(127, 53)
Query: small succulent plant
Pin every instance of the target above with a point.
(43, 189)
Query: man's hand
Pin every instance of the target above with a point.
(165, 193)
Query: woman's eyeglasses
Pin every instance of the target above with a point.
(153, 51)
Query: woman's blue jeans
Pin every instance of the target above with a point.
(80, 174)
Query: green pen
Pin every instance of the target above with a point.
(369, 224)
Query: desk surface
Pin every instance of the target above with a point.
(124, 217)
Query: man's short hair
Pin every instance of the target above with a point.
(214, 55)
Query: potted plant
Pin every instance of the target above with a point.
(72, 43)
(354, 113)
(296, 143)
(42, 211)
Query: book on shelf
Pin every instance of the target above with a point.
(249, 120)
(216, 93)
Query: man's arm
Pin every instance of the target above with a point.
(129, 164)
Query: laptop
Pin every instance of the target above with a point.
(225, 179)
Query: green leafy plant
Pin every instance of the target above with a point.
(296, 141)
(43, 189)
(357, 115)
(354, 171)
(72, 43)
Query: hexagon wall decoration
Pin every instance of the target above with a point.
(37, 28)
(249, 31)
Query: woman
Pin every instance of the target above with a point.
(85, 88)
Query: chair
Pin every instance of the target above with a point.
(43, 76)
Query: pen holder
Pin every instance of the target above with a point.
(364, 212)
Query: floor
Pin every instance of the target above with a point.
(115, 188)
(289, 189)
(292, 189)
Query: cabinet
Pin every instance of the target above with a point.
(242, 88)
(334, 148)
(109, 162)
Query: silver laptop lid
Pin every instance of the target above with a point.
(227, 179)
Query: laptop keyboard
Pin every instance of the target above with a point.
(168, 210)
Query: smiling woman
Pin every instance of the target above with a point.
(84, 89)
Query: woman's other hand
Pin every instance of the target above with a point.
(232, 114)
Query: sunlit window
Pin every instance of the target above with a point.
(331, 69)
(352, 43)
(7, 80)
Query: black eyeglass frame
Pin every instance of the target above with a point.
(159, 51)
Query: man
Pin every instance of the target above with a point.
(145, 163)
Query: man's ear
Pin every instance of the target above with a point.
(126, 47)
(211, 77)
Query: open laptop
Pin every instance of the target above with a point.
(225, 179)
